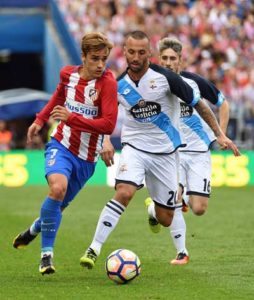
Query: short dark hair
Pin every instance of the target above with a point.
(137, 35)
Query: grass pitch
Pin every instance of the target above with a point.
(220, 244)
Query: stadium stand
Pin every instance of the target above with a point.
(218, 38)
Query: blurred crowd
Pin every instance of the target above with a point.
(5, 137)
(13, 135)
(218, 37)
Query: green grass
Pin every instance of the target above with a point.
(220, 244)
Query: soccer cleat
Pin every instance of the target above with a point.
(46, 266)
(154, 225)
(88, 259)
(185, 206)
(23, 239)
(181, 259)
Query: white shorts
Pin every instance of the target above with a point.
(158, 171)
(195, 172)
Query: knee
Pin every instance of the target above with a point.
(198, 205)
(57, 191)
(165, 219)
(166, 222)
(124, 195)
(199, 210)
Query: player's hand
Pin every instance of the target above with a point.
(60, 113)
(226, 144)
(107, 152)
(33, 130)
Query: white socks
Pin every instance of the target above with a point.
(107, 222)
(178, 231)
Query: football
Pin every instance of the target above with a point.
(122, 266)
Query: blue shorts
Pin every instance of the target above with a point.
(59, 160)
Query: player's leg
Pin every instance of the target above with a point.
(107, 222)
(198, 204)
(199, 177)
(58, 169)
(178, 226)
(154, 225)
(81, 172)
(178, 234)
(129, 176)
(26, 237)
(84, 171)
(161, 180)
(184, 198)
(51, 216)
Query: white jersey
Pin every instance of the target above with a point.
(194, 130)
(152, 109)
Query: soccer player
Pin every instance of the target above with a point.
(195, 158)
(150, 137)
(85, 103)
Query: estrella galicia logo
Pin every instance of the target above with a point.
(108, 224)
(186, 110)
(145, 111)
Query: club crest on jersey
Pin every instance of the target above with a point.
(152, 84)
(145, 111)
(93, 94)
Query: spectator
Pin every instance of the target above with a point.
(5, 137)
(209, 28)
(36, 144)
(218, 36)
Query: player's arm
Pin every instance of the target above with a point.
(58, 98)
(224, 115)
(192, 97)
(211, 93)
(105, 124)
(107, 152)
(208, 116)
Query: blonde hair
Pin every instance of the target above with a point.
(95, 41)
(171, 43)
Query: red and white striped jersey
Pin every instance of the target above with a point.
(93, 107)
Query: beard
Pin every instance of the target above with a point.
(137, 67)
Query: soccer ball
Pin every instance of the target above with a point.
(122, 266)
